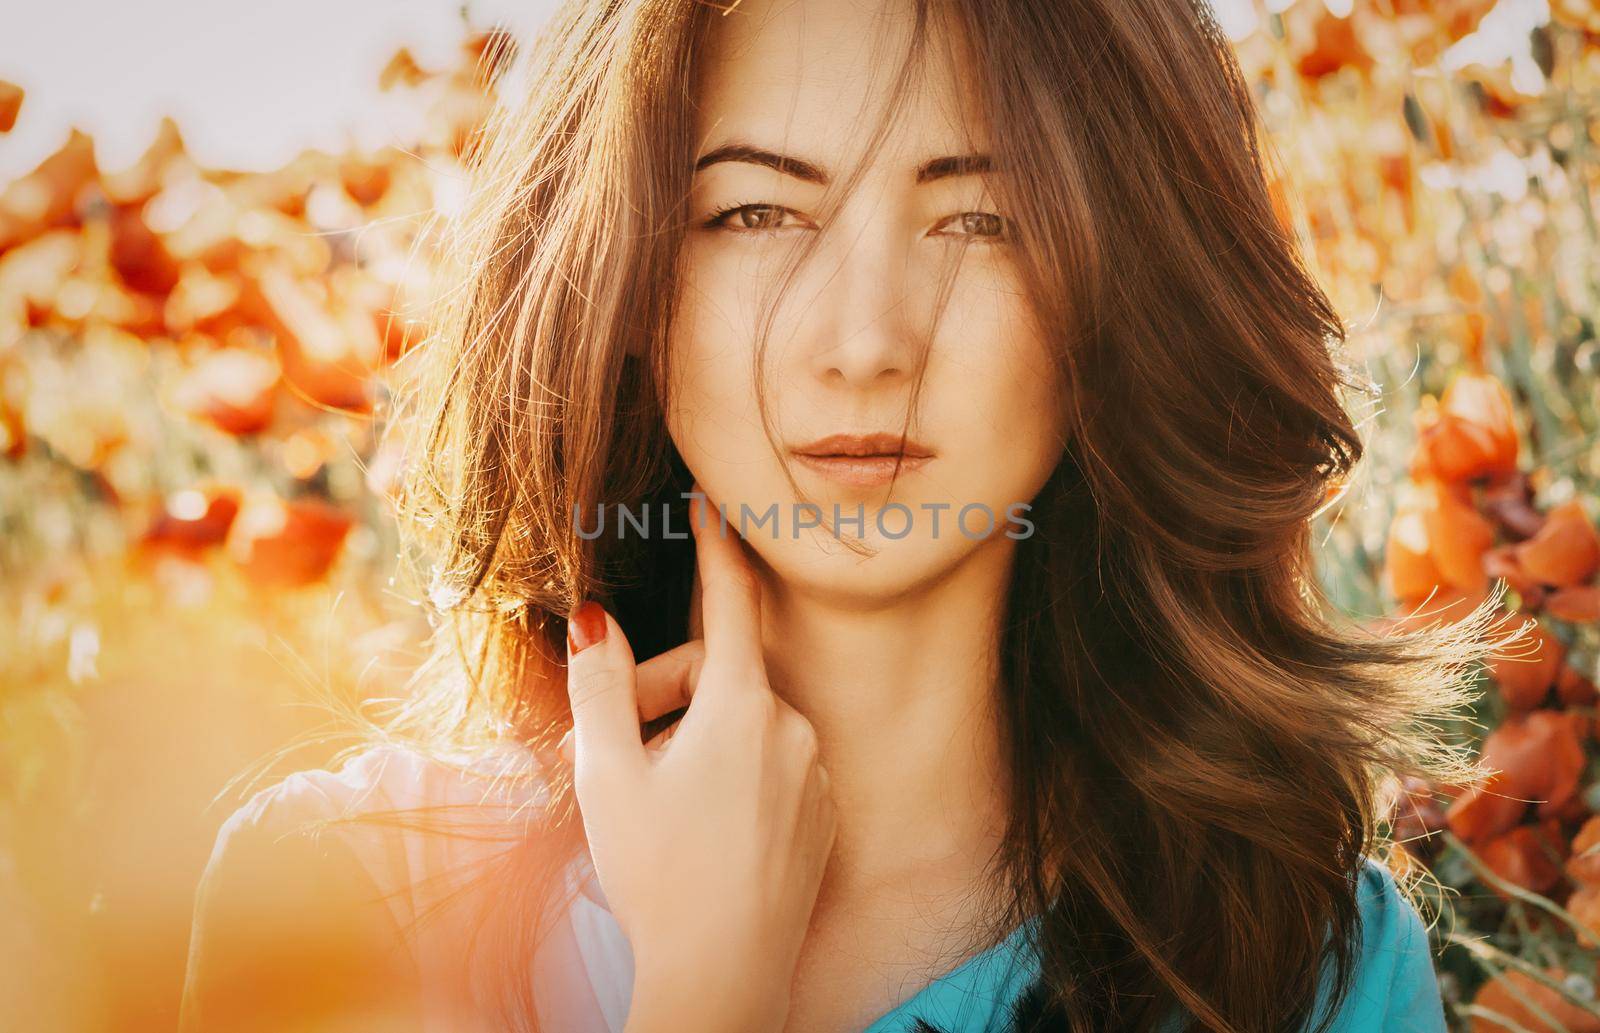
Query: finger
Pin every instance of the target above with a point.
(663, 737)
(697, 630)
(730, 595)
(665, 683)
(600, 687)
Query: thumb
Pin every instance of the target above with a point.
(602, 690)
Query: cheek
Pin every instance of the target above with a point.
(710, 394)
(1007, 368)
(1036, 413)
(1033, 379)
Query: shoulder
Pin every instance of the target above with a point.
(396, 809)
(390, 778)
(1395, 987)
(313, 883)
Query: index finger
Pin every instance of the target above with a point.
(730, 595)
(601, 687)
(666, 682)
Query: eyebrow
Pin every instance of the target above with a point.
(799, 168)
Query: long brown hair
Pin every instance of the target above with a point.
(1199, 745)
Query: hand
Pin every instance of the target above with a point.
(710, 845)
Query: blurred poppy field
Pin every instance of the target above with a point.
(198, 562)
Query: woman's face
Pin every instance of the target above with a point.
(802, 80)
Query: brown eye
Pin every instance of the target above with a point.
(974, 224)
(749, 217)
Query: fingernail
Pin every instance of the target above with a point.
(586, 626)
(564, 747)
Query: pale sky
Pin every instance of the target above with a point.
(252, 84)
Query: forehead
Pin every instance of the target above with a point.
(811, 78)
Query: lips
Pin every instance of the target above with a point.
(863, 460)
(864, 445)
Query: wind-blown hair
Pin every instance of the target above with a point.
(1198, 743)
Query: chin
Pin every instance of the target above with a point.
(895, 558)
(816, 565)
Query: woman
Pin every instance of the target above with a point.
(1090, 754)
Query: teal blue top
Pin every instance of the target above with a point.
(1395, 989)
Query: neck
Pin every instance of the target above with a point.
(903, 694)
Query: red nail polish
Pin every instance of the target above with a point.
(586, 626)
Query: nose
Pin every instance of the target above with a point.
(862, 320)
